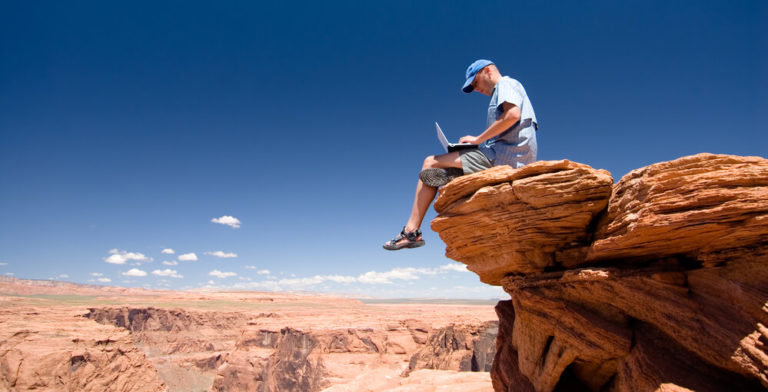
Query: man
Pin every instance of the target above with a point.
(509, 139)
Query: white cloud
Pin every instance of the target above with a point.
(227, 220)
(188, 257)
(167, 272)
(211, 282)
(221, 275)
(370, 277)
(120, 257)
(222, 255)
(340, 278)
(454, 267)
(9, 273)
(96, 274)
(167, 251)
(104, 280)
(408, 273)
(174, 262)
(63, 276)
(302, 282)
(3, 264)
(135, 272)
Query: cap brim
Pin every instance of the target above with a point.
(467, 88)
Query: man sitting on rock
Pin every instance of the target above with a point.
(510, 139)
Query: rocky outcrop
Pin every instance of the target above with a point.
(467, 349)
(186, 346)
(269, 361)
(658, 283)
(503, 221)
(709, 208)
(181, 331)
(58, 351)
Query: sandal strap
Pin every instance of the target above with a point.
(409, 235)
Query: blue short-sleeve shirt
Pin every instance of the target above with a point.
(516, 146)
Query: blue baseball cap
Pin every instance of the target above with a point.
(472, 71)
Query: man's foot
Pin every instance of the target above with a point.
(406, 239)
(437, 177)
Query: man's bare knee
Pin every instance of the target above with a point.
(429, 162)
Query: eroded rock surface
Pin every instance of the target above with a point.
(502, 221)
(470, 348)
(61, 351)
(664, 287)
(705, 207)
(269, 361)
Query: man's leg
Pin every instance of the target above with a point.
(425, 193)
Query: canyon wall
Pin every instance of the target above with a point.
(245, 351)
(658, 282)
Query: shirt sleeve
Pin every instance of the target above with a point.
(508, 92)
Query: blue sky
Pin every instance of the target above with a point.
(126, 128)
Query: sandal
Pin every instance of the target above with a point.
(412, 242)
(437, 177)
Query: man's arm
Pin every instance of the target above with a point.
(508, 118)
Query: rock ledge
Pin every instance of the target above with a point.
(659, 282)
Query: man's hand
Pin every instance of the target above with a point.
(470, 139)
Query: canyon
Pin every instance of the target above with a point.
(64, 336)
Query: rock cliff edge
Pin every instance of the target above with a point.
(657, 282)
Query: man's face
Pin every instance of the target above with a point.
(483, 83)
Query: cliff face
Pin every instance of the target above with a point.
(659, 282)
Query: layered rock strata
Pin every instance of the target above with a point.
(60, 351)
(503, 221)
(467, 349)
(659, 282)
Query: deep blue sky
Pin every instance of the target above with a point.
(130, 126)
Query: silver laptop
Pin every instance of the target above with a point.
(451, 147)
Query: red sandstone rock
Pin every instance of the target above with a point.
(696, 206)
(61, 351)
(675, 297)
(469, 348)
(502, 220)
(268, 361)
